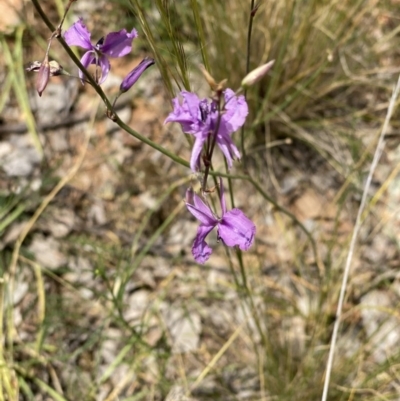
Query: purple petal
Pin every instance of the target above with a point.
(196, 153)
(200, 250)
(235, 229)
(227, 146)
(118, 44)
(105, 68)
(187, 113)
(135, 74)
(87, 59)
(236, 110)
(78, 35)
(202, 212)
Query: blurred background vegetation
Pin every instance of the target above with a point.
(265, 318)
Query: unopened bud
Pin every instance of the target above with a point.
(43, 76)
(254, 76)
(135, 74)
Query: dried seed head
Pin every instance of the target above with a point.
(33, 66)
(55, 68)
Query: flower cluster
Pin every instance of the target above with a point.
(212, 122)
(201, 118)
(114, 44)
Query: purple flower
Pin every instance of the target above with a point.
(233, 228)
(199, 118)
(115, 44)
(135, 74)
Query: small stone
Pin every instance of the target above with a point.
(137, 304)
(46, 252)
(97, 214)
(381, 326)
(18, 157)
(61, 223)
(184, 328)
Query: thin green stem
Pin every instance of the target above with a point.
(149, 142)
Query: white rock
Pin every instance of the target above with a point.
(137, 304)
(18, 157)
(381, 326)
(46, 252)
(184, 328)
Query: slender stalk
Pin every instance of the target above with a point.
(253, 11)
(378, 153)
(149, 142)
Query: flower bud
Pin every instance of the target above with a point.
(254, 76)
(43, 76)
(135, 74)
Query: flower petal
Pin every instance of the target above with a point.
(104, 64)
(227, 146)
(236, 110)
(87, 59)
(118, 44)
(187, 113)
(78, 35)
(196, 153)
(202, 212)
(200, 249)
(236, 229)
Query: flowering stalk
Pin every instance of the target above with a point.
(210, 124)
(72, 55)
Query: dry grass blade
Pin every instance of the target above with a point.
(378, 152)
